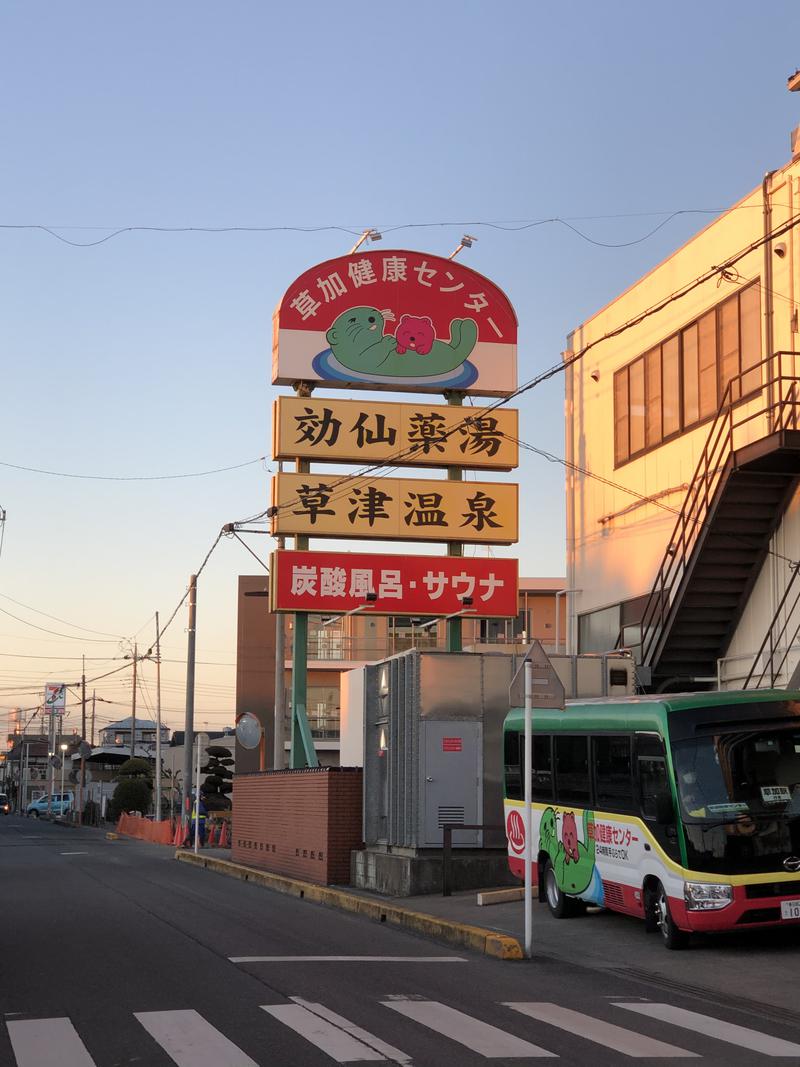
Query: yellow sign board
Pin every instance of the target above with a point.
(418, 435)
(395, 509)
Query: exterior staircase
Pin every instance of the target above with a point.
(745, 478)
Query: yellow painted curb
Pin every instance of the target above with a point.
(112, 837)
(489, 942)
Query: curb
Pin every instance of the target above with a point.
(488, 942)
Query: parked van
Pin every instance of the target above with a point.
(60, 806)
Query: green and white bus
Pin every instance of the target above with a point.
(681, 809)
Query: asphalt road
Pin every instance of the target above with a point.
(113, 954)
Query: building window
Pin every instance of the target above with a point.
(681, 382)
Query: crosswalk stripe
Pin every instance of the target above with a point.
(481, 1037)
(614, 1037)
(324, 1029)
(191, 1041)
(47, 1043)
(718, 1028)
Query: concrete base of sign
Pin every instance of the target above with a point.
(411, 873)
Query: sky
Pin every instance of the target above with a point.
(148, 355)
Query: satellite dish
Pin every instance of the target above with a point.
(248, 730)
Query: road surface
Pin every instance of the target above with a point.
(113, 954)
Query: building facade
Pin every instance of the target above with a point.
(340, 644)
(682, 417)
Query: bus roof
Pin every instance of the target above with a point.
(646, 712)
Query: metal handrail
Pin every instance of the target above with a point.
(780, 408)
(774, 639)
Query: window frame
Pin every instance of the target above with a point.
(634, 807)
(557, 799)
(625, 455)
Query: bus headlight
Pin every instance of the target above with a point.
(706, 896)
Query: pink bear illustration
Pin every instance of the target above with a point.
(569, 837)
(415, 333)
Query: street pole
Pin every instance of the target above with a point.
(197, 800)
(133, 703)
(51, 771)
(158, 723)
(83, 739)
(188, 726)
(528, 801)
(63, 750)
(94, 692)
(21, 805)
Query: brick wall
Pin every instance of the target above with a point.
(303, 824)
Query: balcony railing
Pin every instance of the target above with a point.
(339, 648)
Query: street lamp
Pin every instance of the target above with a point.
(63, 748)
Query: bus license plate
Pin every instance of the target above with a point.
(790, 909)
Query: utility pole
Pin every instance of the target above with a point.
(280, 687)
(133, 703)
(94, 691)
(51, 751)
(83, 738)
(188, 726)
(158, 723)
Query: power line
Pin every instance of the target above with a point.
(508, 226)
(134, 477)
(55, 618)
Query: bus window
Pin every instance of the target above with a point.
(542, 784)
(513, 757)
(572, 771)
(653, 782)
(613, 778)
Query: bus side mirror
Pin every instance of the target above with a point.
(665, 813)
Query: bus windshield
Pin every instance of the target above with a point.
(739, 795)
(740, 773)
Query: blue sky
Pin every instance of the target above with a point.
(149, 354)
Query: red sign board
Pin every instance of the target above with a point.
(397, 320)
(451, 744)
(325, 582)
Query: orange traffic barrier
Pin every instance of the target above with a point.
(223, 835)
(159, 833)
(177, 839)
(212, 829)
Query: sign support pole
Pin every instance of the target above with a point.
(528, 801)
(454, 548)
(303, 753)
(188, 725)
(278, 754)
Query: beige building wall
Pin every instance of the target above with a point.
(616, 540)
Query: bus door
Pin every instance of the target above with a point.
(655, 795)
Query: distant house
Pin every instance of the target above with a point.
(118, 735)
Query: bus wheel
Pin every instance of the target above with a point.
(561, 906)
(671, 935)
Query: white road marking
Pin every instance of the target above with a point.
(486, 1040)
(73, 853)
(191, 1041)
(48, 1043)
(389, 1051)
(340, 1044)
(607, 1034)
(718, 1028)
(347, 959)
